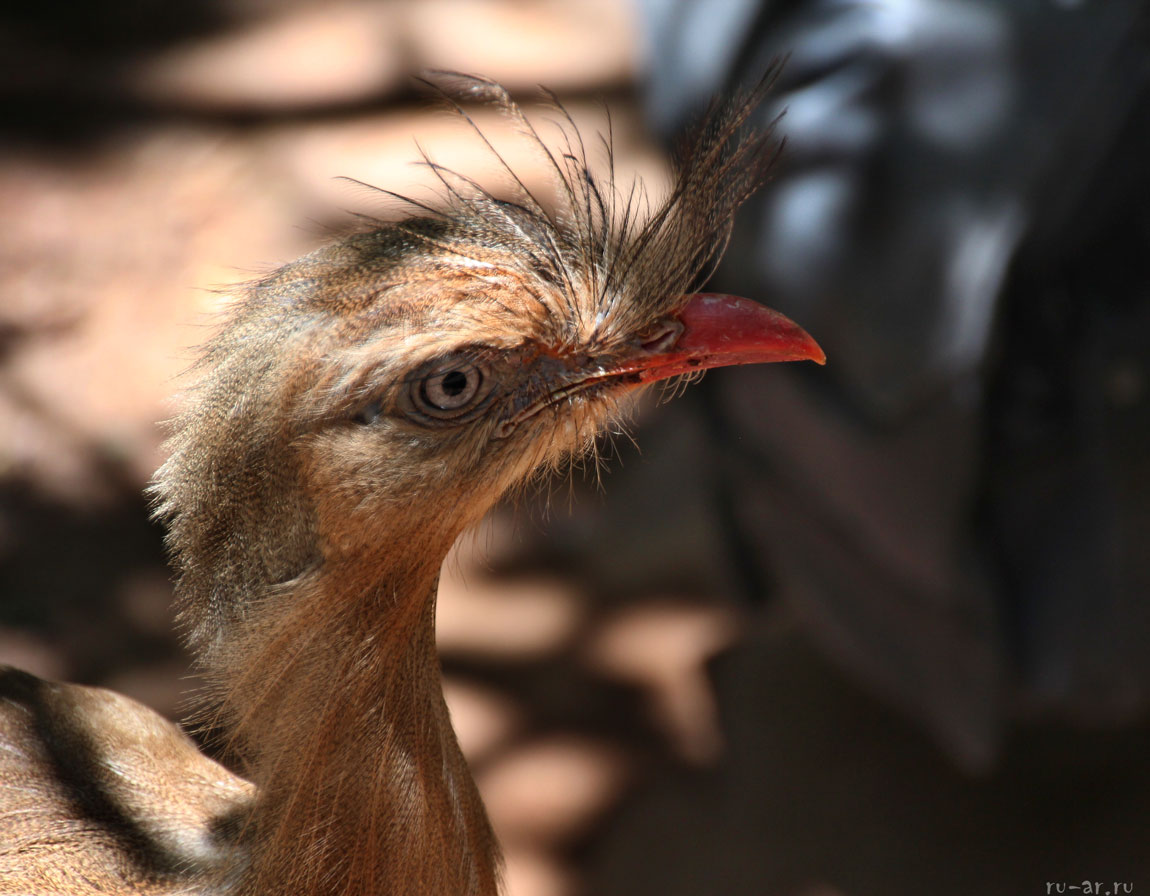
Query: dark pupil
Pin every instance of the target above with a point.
(454, 383)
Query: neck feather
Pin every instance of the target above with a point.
(339, 710)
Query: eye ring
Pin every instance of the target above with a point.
(450, 392)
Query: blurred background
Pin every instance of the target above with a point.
(879, 628)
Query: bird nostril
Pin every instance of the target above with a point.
(662, 337)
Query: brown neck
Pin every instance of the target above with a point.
(363, 786)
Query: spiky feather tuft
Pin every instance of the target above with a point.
(307, 546)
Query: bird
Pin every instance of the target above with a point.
(357, 410)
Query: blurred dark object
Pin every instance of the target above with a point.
(959, 503)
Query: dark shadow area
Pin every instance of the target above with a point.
(824, 790)
(62, 78)
(92, 581)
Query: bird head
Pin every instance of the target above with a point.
(365, 403)
(360, 407)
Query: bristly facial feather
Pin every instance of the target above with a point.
(502, 282)
(358, 409)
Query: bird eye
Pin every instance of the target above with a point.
(450, 391)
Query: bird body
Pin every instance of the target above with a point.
(358, 410)
(102, 795)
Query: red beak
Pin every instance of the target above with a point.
(710, 330)
(718, 331)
